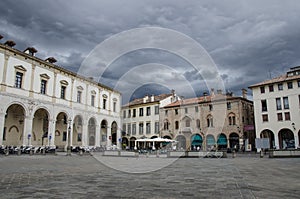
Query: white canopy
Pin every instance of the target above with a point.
(158, 139)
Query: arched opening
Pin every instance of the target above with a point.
(61, 127)
(268, 134)
(210, 141)
(40, 128)
(92, 132)
(14, 125)
(103, 133)
(222, 141)
(132, 142)
(196, 142)
(286, 139)
(125, 143)
(114, 128)
(181, 145)
(234, 141)
(77, 131)
(153, 137)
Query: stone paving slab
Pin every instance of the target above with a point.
(87, 177)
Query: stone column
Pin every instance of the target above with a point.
(276, 141)
(109, 137)
(27, 133)
(51, 132)
(97, 136)
(119, 143)
(2, 122)
(84, 133)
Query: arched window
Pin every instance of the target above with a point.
(176, 125)
(231, 119)
(210, 121)
(198, 123)
(166, 125)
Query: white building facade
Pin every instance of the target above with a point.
(277, 110)
(140, 118)
(44, 104)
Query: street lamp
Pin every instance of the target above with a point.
(69, 139)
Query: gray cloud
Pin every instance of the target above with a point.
(249, 41)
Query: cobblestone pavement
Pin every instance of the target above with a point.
(76, 176)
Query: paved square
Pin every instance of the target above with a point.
(85, 177)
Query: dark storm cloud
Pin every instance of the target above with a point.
(248, 40)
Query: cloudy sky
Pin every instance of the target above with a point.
(246, 41)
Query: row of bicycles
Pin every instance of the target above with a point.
(18, 150)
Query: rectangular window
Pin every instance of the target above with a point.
(262, 89)
(186, 110)
(129, 129)
(196, 109)
(124, 127)
(166, 112)
(286, 103)
(141, 128)
(43, 86)
(92, 100)
(290, 85)
(19, 78)
(148, 111)
(279, 117)
(141, 112)
(228, 105)
(133, 129)
(104, 104)
(64, 137)
(265, 118)
(271, 88)
(114, 106)
(62, 92)
(129, 113)
(148, 128)
(278, 104)
(210, 107)
(156, 127)
(124, 114)
(133, 112)
(264, 105)
(156, 110)
(280, 87)
(298, 82)
(287, 116)
(79, 137)
(233, 120)
(187, 123)
(176, 111)
(79, 96)
(4, 134)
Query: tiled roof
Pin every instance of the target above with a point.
(279, 79)
(138, 101)
(199, 100)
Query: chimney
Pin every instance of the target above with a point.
(145, 99)
(244, 93)
(30, 51)
(51, 60)
(10, 43)
(152, 98)
(219, 91)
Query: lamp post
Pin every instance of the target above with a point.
(69, 139)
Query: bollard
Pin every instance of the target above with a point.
(19, 151)
(224, 154)
(44, 151)
(233, 154)
(261, 154)
(80, 152)
(157, 153)
(6, 152)
(31, 152)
